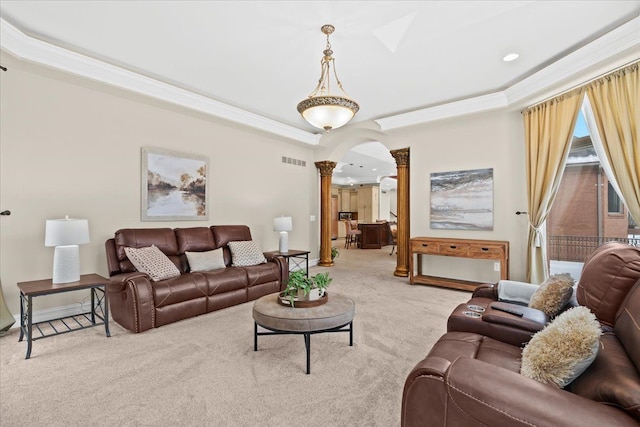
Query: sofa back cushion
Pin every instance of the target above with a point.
(163, 238)
(194, 239)
(627, 327)
(607, 276)
(223, 234)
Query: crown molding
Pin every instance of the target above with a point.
(478, 104)
(572, 69)
(28, 48)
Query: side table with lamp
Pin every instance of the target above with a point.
(65, 234)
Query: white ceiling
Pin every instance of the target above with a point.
(262, 58)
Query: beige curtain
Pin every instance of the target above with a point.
(548, 133)
(614, 100)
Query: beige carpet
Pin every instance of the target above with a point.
(204, 372)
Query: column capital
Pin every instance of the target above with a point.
(326, 167)
(401, 155)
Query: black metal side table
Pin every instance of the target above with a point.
(99, 308)
(295, 258)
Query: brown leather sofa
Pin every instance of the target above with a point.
(138, 304)
(472, 378)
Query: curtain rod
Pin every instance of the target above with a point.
(579, 85)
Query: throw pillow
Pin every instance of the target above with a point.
(564, 349)
(204, 261)
(153, 262)
(246, 253)
(553, 294)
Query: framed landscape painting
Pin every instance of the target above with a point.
(174, 186)
(462, 200)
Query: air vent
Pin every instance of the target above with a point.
(295, 162)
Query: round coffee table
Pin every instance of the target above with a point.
(334, 316)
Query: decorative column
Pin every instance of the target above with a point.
(402, 164)
(326, 171)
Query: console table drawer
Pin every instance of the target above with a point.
(455, 249)
(490, 251)
(424, 247)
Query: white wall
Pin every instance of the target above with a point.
(489, 140)
(72, 146)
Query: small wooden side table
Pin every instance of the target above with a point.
(99, 308)
(295, 257)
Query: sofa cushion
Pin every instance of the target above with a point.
(553, 294)
(453, 345)
(176, 290)
(563, 349)
(152, 262)
(194, 239)
(262, 273)
(225, 280)
(163, 238)
(246, 253)
(205, 261)
(627, 327)
(611, 379)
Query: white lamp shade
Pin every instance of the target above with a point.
(68, 231)
(328, 116)
(283, 223)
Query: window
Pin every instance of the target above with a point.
(614, 204)
(586, 212)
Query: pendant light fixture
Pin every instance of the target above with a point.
(321, 109)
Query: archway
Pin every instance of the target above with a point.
(335, 145)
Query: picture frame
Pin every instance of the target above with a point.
(462, 200)
(173, 186)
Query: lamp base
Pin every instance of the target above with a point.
(66, 264)
(284, 242)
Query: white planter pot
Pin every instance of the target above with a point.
(314, 294)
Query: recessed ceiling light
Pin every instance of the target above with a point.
(510, 57)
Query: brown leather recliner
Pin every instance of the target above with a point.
(471, 379)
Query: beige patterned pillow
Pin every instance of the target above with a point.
(553, 294)
(153, 262)
(205, 261)
(564, 349)
(246, 253)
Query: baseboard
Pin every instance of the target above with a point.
(55, 313)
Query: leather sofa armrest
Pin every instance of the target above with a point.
(283, 266)
(486, 290)
(475, 393)
(531, 319)
(131, 301)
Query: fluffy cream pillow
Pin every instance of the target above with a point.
(553, 294)
(204, 261)
(246, 253)
(564, 349)
(152, 261)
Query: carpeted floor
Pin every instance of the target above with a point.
(203, 371)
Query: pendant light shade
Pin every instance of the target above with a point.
(321, 109)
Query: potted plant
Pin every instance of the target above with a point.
(300, 287)
(335, 253)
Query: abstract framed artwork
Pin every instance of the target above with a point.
(462, 200)
(173, 186)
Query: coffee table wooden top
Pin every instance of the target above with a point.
(338, 311)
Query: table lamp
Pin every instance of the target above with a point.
(283, 224)
(66, 234)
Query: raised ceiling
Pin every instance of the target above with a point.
(404, 62)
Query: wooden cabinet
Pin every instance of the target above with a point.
(463, 248)
(368, 203)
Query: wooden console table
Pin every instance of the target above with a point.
(463, 248)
